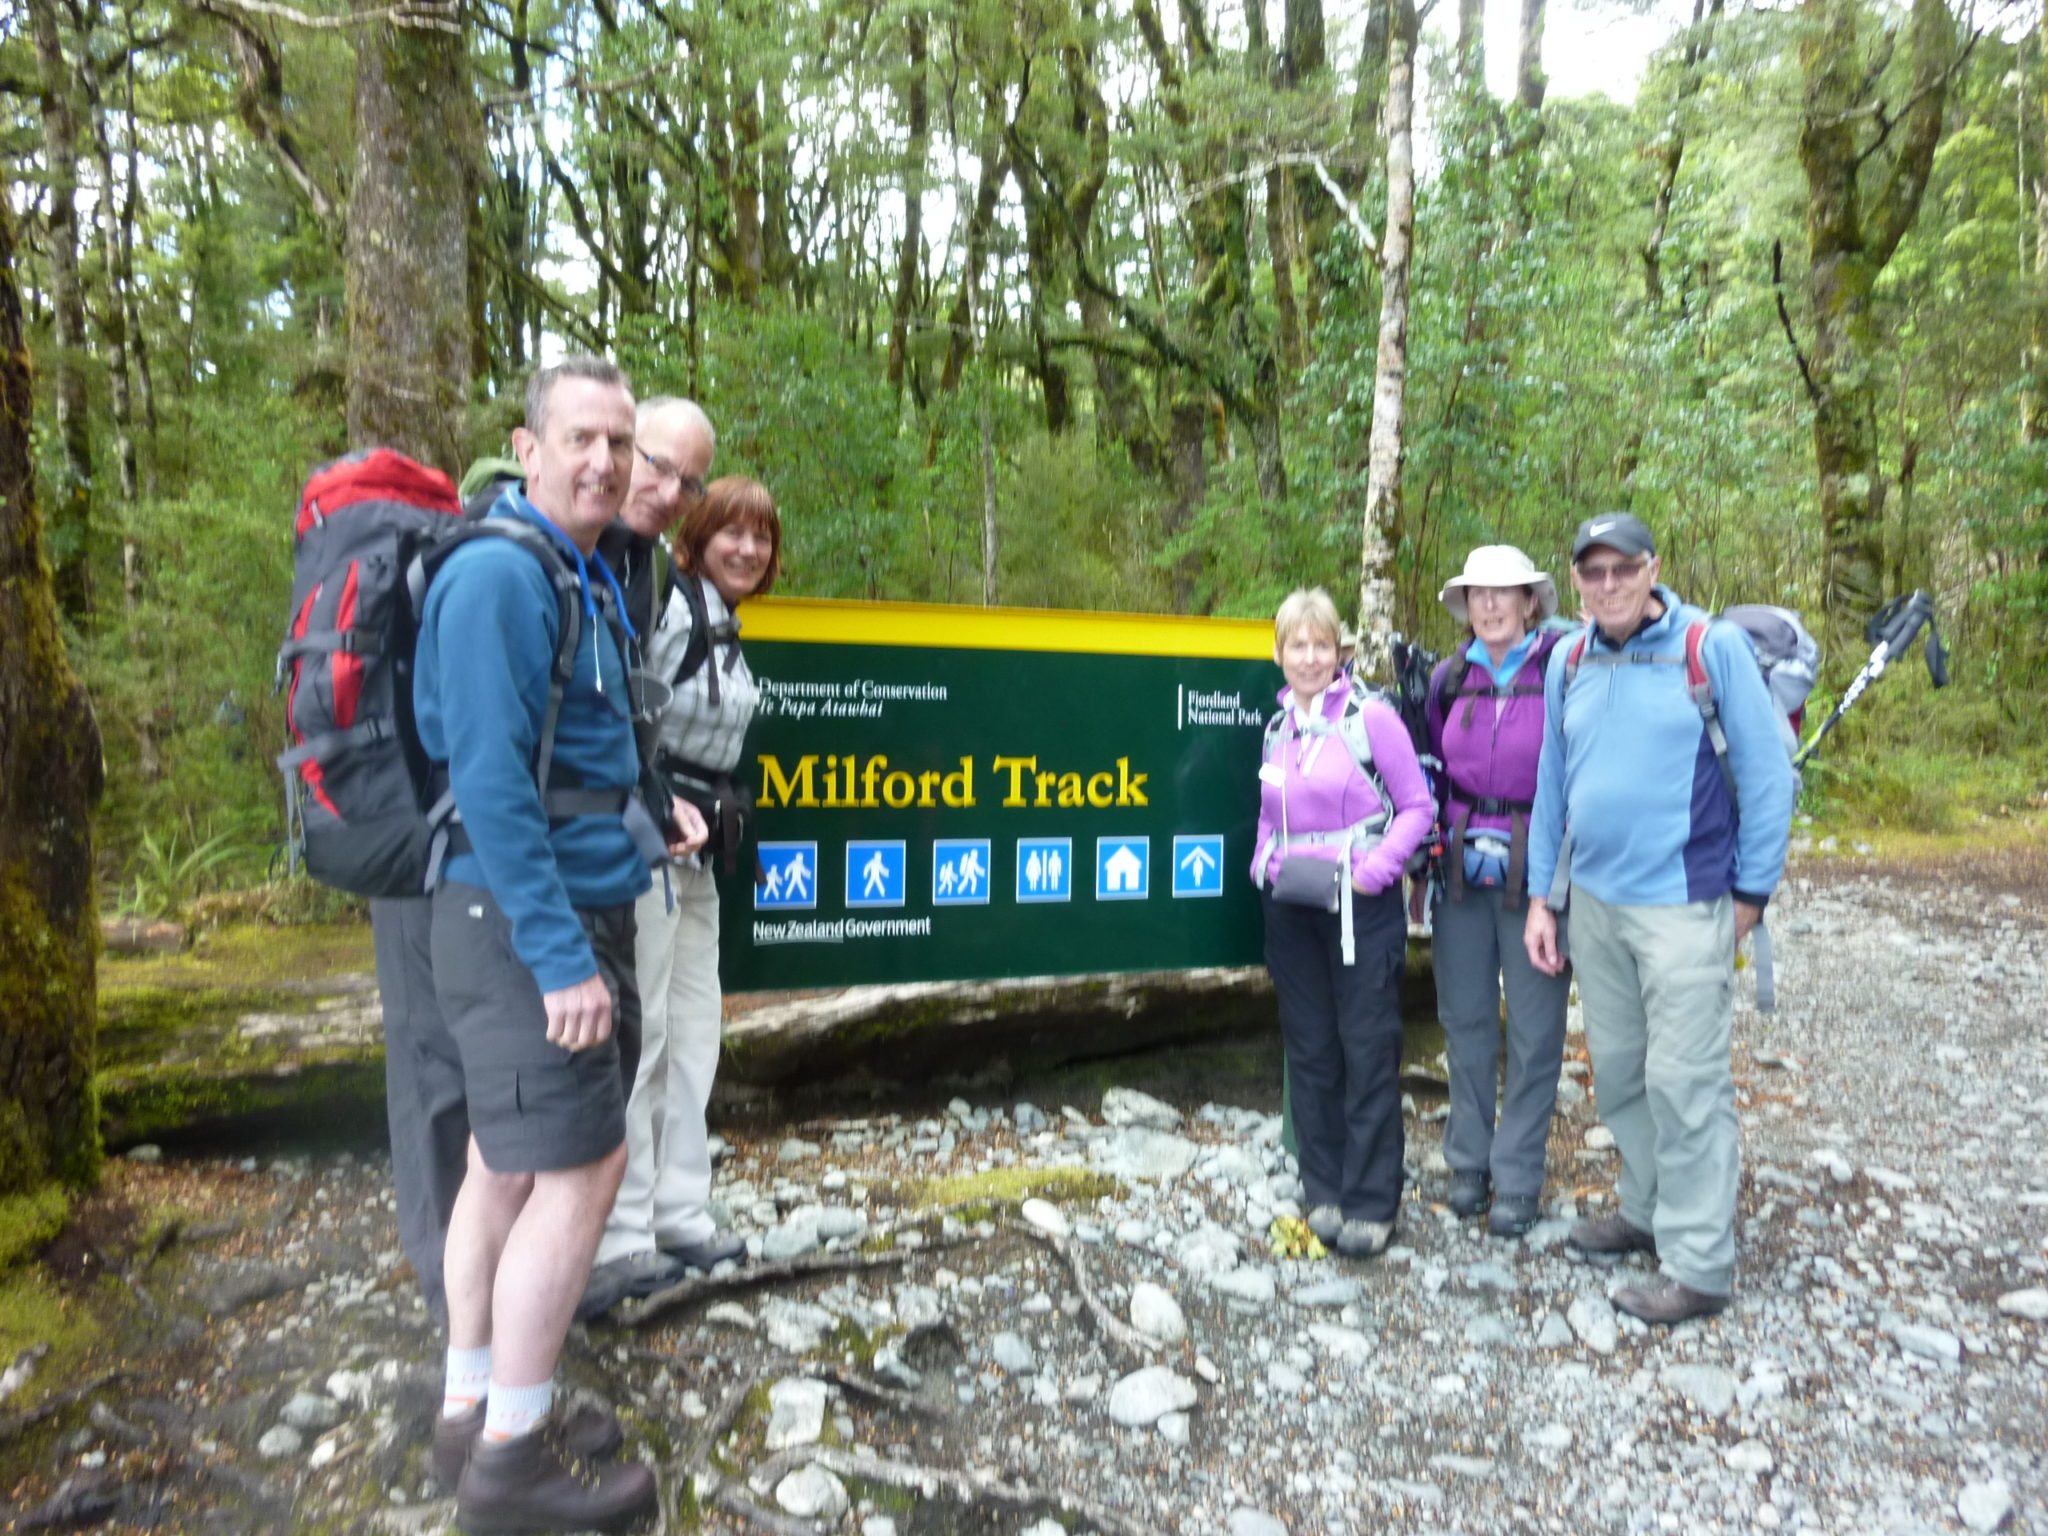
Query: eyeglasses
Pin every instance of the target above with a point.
(1612, 573)
(689, 484)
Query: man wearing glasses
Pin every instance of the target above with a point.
(672, 448)
(1664, 884)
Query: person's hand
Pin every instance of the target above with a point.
(579, 1016)
(686, 822)
(1539, 937)
(1746, 918)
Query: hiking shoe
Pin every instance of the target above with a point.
(1469, 1189)
(637, 1274)
(1326, 1221)
(590, 1431)
(1614, 1234)
(1364, 1239)
(1513, 1215)
(536, 1484)
(1666, 1301)
(708, 1253)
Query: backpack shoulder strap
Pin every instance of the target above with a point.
(1701, 689)
(697, 650)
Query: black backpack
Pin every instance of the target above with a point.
(360, 804)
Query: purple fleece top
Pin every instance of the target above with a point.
(1487, 743)
(1327, 792)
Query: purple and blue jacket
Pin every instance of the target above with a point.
(1489, 736)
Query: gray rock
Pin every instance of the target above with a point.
(878, 1525)
(796, 1150)
(792, 1240)
(1142, 1397)
(146, 1152)
(1985, 1506)
(1127, 1106)
(312, 1412)
(1284, 1378)
(1592, 1319)
(1156, 1314)
(796, 1413)
(2031, 1304)
(1489, 1331)
(1462, 1466)
(1138, 1152)
(1046, 1217)
(1173, 1428)
(1028, 1118)
(1341, 1343)
(1555, 1333)
(1490, 1277)
(1234, 1165)
(1250, 1283)
(1013, 1353)
(1549, 1437)
(1254, 1522)
(1333, 1292)
(730, 1314)
(280, 1441)
(1752, 1458)
(812, 1493)
(1412, 1491)
(796, 1326)
(1927, 1341)
(836, 1222)
(1084, 1389)
(1709, 1388)
(892, 1370)
(1208, 1250)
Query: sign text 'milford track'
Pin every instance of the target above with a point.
(848, 781)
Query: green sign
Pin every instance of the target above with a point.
(958, 793)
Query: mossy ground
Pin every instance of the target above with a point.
(1064, 1184)
(29, 1221)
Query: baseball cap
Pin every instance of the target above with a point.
(1619, 531)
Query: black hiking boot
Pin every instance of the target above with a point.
(1469, 1191)
(535, 1484)
(588, 1430)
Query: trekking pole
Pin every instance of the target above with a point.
(1891, 630)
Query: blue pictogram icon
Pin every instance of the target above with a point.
(1123, 868)
(961, 872)
(790, 877)
(875, 874)
(1198, 864)
(1045, 869)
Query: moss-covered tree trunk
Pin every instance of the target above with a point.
(1848, 246)
(50, 777)
(418, 148)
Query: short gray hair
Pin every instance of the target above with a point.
(541, 386)
(691, 410)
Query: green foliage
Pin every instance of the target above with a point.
(164, 878)
(28, 1221)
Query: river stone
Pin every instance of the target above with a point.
(1251, 1283)
(2031, 1304)
(1142, 1397)
(1750, 1457)
(1127, 1106)
(1208, 1250)
(1929, 1342)
(1284, 1378)
(796, 1413)
(838, 1222)
(1488, 1331)
(796, 1150)
(1490, 1276)
(312, 1412)
(1985, 1506)
(1173, 1428)
(792, 1240)
(1555, 1333)
(1012, 1353)
(1599, 1139)
(1138, 1152)
(1709, 1388)
(1341, 1343)
(1156, 1314)
(1046, 1217)
(1592, 1319)
(1255, 1522)
(812, 1493)
(796, 1326)
(280, 1441)
(730, 1314)
(1235, 1165)
(1462, 1466)
(878, 1525)
(1549, 1437)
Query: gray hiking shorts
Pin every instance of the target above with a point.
(533, 1106)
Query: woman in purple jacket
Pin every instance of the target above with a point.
(1486, 725)
(1342, 807)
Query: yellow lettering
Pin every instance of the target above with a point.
(958, 788)
(1016, 767)
(780, 789)
(868, 775)
(1099, 796)
(928, 786)
(1045, 783)
(1070, 790)
(1130, 787)
(898, 789)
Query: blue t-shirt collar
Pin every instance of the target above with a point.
(1510, 664)
(513, 503)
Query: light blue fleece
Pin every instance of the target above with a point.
(480, 693)
(1628, 766)
(1510, 664)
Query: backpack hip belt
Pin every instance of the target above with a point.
(726, 803)
(1468, 806)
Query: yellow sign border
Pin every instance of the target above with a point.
(951, 626)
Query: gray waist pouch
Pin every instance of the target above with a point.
(1304, 880)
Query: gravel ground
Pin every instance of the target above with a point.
(1125, 1354)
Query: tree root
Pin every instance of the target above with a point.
(977, 1486)
(873, 1391)
(1113, 1328)
(54, 1404)
(748, 1276)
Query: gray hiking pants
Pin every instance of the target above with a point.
(1476, 952)
(1659, 989)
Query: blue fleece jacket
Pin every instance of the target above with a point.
(480, 692)
(1628, 766)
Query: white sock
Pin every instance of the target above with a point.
(469, 1379)
(513, 1411)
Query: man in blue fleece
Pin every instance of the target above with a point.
(533, 958)
(1666, 881)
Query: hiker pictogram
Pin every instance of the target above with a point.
(875, 874)
(960, 871)
(789, 876)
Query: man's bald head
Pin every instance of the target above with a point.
(675, 443)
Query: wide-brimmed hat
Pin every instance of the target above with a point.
(1498, 565)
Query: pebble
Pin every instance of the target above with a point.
(796, 1413)
(1013, 1353)
(730, 1314)
(1142, 1397)
(1555, 1333)
(1750, 1457)
(1138, 1152)
(1127, 1106)
(1284, 1378)
(1334, 1292)
(878, 1525)
(1985, 1506)
(1707, 1387)
(280, 1441)
(1599, 1139)
(145, 1152)
(311, 1412)
(1250, 1284)
(812, 1493)
(1046, 1217)
(1254, 1522)
(1156, 1314)
(1549, 1437)
(1489, 1331)
(1206, 1369)
(1173, 1428)
(1341, 1343)
(1462, 1466)
(2031, 1304)
(796, 1150)
(1592, 1319)
(1928, 1342)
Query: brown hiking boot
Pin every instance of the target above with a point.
(535, 1484)
(588, 1430)
(1667, 1301)
(1614, 1234)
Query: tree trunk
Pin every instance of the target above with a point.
(980, 226)
(416, 157)
(131, 211)
(1530, 81)
(1390, 374)
(1848, 249)
(114, 298)
(1671, 153)
(2034, 424)
(917, 118)
(743, 194)
(1188, 467)
(50, 780)
(71, 496)
(1304, 68)
(988, 500)
(1472, 42)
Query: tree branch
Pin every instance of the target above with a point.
(1785, 319)
(420, 15)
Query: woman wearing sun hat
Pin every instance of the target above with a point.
(1486, 725)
